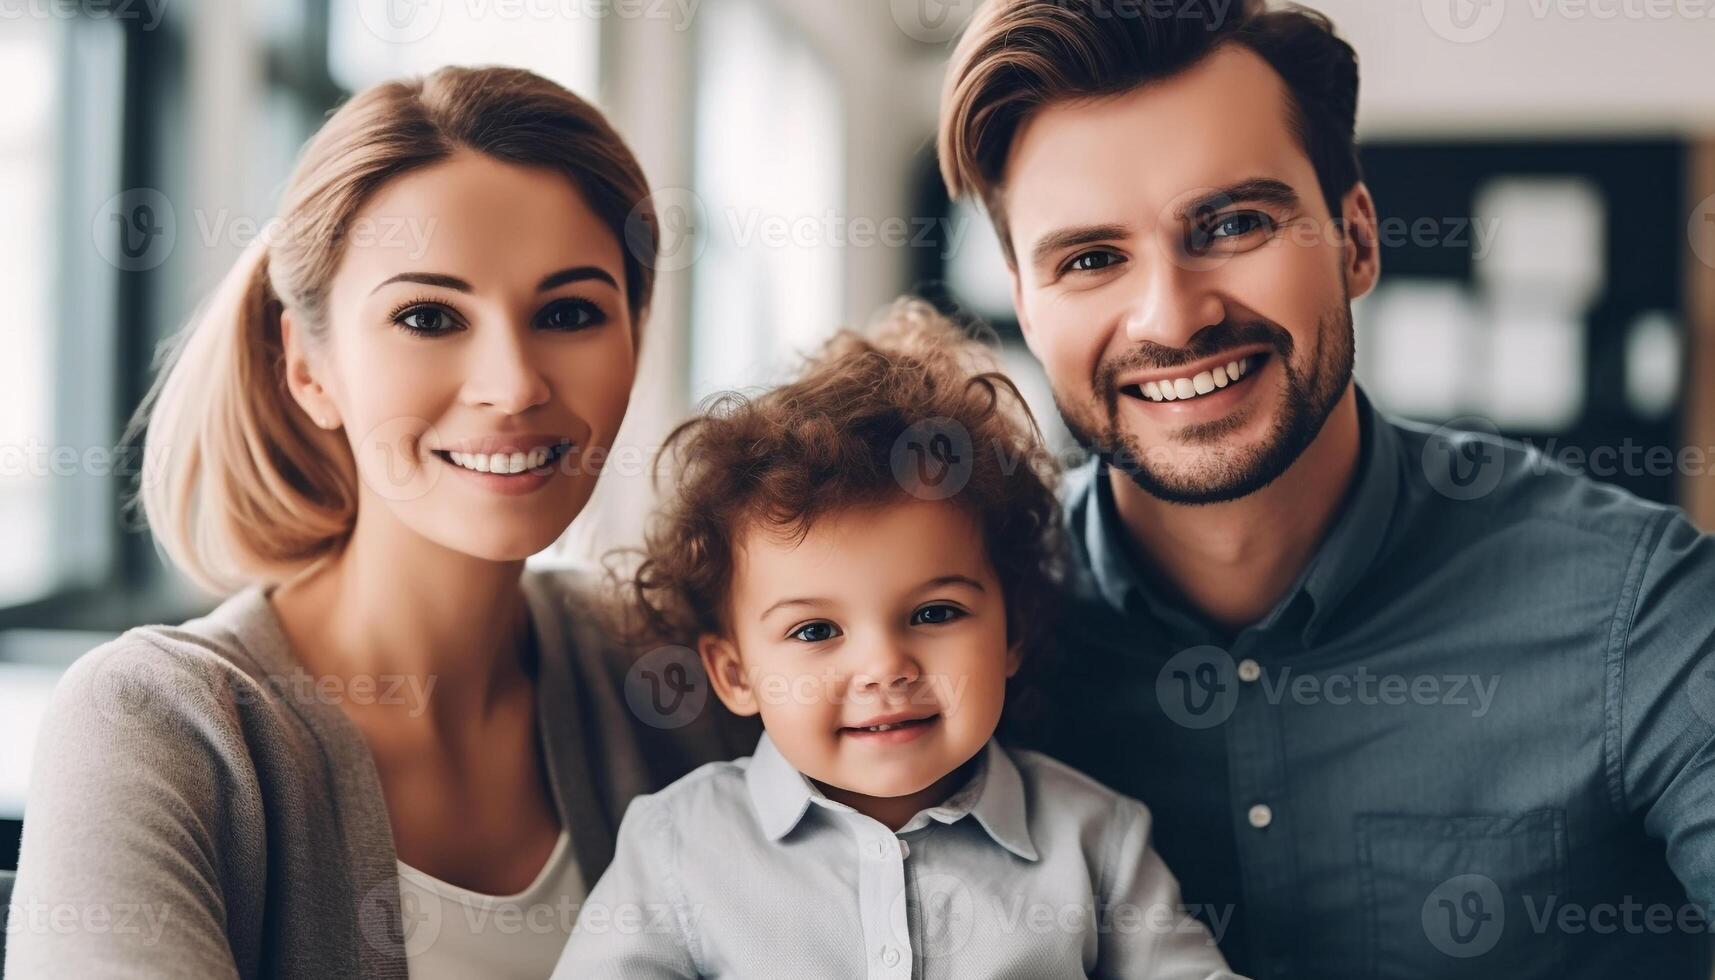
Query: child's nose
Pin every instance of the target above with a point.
(886, 665)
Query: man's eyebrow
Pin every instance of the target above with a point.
(1257, 190)
(1064, 238)
(577, 274)
(427, 279)
(933, 583)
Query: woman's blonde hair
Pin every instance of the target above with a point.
(239, 485)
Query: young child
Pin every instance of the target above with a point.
(866, 554)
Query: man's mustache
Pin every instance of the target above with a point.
(1206, 343)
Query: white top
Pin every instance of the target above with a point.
(453, 933)
(745, 870)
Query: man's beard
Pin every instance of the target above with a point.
(1230, 474)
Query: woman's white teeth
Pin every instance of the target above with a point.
(505, 463)
(1201, 384)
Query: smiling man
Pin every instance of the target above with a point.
(1404, 702)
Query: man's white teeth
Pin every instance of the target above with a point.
(881, 728)
(505, 463)
(1201, 384)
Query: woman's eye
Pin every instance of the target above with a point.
(814, 632)
(935, 615)
(424, 320)
(1092, 262)
(571, 315)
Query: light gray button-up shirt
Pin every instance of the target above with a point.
(744, 869)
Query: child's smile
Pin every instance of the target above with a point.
(897, 728)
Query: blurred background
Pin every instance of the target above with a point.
(1545, 172)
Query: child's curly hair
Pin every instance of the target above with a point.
(856, 428)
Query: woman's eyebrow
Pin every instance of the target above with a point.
(580, 273)
(576, 274)
(427, 279)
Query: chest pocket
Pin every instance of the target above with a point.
(1453, 896)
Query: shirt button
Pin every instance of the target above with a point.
(889, 956)
(904, 849)
(1249, 670)
(1261, 816)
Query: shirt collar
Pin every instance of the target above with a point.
(1337, 566)
(994, 796)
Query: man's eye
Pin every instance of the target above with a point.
(814, 632)
(1092, 262)
(936, 615)
(1234, 225)
(1227, 228)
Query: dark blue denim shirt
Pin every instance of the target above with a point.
(1473, 739)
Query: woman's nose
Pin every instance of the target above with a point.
(500, 374)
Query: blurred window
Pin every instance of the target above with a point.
(765, 225)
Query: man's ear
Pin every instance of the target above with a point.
(726, 674)
(1363, 259)
(301, 379)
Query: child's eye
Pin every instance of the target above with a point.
(936, 615)
(815, 632)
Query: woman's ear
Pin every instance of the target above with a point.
(306, 390)
(1014, 658)
(726, 674)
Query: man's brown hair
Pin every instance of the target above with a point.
(839, 436)
(1018, 56)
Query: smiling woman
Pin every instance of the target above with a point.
(373, 423)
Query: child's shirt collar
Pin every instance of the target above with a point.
(781, 796)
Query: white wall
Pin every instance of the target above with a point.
(1531, 67)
